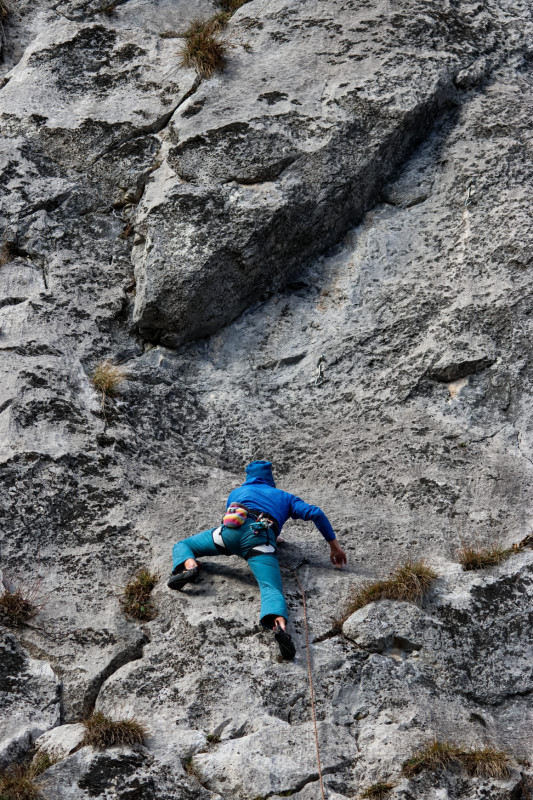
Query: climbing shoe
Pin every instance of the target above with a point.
(285, 643)
(181, 578)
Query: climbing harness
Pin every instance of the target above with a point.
(320, 367)
(262, 525)
(309, 671)
(218, 541)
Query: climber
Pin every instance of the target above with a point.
(255, 514)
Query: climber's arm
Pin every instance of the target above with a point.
(301, 510)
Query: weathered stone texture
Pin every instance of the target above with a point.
(352, 193)
(29, 699)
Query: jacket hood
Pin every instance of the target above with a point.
(260, 472)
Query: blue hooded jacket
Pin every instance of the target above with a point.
(259, 492)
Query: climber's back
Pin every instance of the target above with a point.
(259, 492)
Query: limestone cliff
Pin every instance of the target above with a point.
(353, 191)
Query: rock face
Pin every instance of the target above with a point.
(344, 214)
(29, 699)
(274, 161)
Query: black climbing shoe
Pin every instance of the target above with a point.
(286, 646)
(181, 578)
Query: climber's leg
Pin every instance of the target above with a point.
(274, 614)
(201, 544)
(184, 554)
(266, 571)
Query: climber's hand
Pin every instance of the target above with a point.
(337, 555)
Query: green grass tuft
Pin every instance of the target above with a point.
(484, 763)
(102, 731)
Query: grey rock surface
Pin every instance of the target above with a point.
(279, 759)
(271, 163)
(29, 699)
(119, 772)
(61, 741)
(351, 196)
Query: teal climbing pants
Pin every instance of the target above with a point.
(248, 544)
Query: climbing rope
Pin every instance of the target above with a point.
(309, 671)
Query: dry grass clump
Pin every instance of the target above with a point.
(433, 756)
(42, 761)
(135, 599)
(408, 582)
(102, 731)
(378, 791)
(4, 10)
(484, 763)
(18, 782)
(19, 606)
(107, 377)
(481, 557)
(108, 9)
(527, 541)
(231, 6)
(203, 49)
(5, 251)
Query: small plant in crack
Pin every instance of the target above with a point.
(106, 379)
(102, 731)
(20, 604)
(19, 781)
(190, 769)
(232, 6)
(203, 49)
(409, 582)
(4, 11)
(377, 791)
(485, 762)
(473, 558)
(6, 254)
(109, 8)
(135, 599)
(127, 230)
